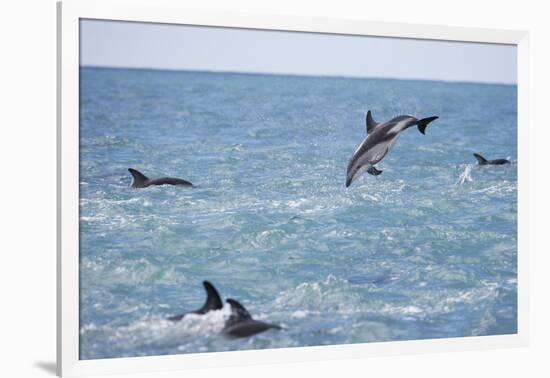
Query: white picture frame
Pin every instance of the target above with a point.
(167, 11)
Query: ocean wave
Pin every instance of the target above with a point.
(331, 293)
(427, 249)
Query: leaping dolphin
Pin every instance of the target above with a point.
(142, 181)
(239, 324)
(213, 302)
(380, 138)
(482, 161)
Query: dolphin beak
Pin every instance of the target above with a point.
(349, 178)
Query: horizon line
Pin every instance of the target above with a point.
(294, 74)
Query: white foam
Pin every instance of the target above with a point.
(299, 314)
(158, 330)
(465, 175)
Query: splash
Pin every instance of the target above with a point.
(156, 331)
(465, 176)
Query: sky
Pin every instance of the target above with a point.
(180, 47)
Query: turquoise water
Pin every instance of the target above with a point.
(426, 250)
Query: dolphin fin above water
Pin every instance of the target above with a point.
(213, 299)
(142, 181)
(238, 312)
(482, 161)
(139, 179)
(241, 323)
(213, 302)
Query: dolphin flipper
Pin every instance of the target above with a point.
(373, 171)
(423, 123)
(371, 123)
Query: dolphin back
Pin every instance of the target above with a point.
(249, 328)
(142, 181)
(170, 181)
(482, 161)
(241, 324)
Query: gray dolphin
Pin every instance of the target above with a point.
(482, 161)
(380, 138)
(213, 302)
(142, 181)
(241, 324)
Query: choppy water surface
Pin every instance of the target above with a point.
(425, 250)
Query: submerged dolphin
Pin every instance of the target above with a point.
(380, 138)
(142, 181)
(239, 323)
(213, 302)
(482, 161)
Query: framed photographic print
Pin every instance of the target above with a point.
(240, 189)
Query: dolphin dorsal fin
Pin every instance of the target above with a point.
(238, 312)
(140, 179)
(213, 300)
(480, 159)
(371, 123)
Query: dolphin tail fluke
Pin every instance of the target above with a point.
(480, 159)
(213, 300)
(373, 171)
(423, 123)
(140, 179)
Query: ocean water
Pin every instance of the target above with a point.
(426, 250)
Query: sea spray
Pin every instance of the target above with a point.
(465, 175)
